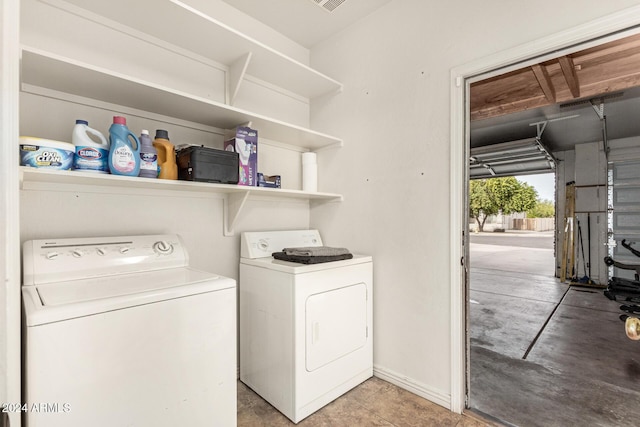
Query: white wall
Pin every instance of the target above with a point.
(394, 117)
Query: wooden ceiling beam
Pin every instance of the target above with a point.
(508, 108)
(570, 76)
(545, 82)
(589, 73)
(614, 48)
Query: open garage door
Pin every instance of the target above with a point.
(624, 204)
(522, 157)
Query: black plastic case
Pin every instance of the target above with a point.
(207, 165)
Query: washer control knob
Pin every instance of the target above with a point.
(52, 255)
(101, 252)
(263, 245)
(124, 249)
(77, 253)
(162, 247)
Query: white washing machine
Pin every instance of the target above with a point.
(119, 331)
(305, 330)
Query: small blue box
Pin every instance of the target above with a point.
(272, 181)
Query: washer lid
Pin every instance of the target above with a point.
(76, 291)
(76, 298)
(298, 268)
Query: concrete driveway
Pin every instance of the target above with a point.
(518, 251)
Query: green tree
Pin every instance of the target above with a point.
(494, 195)
(542, 209)
(523, 198)
(480, 206)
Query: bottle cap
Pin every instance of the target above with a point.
(82, 122)
(161, 133)
(119, 120)
(144, 132)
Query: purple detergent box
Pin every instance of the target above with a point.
(244, 141)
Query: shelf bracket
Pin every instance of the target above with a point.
(233, 204)
(237, 70)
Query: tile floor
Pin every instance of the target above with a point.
(373, 403)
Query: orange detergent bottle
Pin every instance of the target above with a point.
(166, 155)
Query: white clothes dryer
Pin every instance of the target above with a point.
(305, 330)
(119, 331)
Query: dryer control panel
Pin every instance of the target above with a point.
(261, 244)
(53, 260)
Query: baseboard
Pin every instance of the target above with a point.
(422, 390)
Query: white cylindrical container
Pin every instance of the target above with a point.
(46, 153)
(309, 172)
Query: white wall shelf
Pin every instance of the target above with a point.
(234, 196)
(193, 26)
(50, 71)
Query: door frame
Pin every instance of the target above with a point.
(10, 387)
(608, 28)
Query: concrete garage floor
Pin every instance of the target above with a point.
(544, 353)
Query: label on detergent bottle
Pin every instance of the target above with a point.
(123, 159)
(149, 162)
(91, 159)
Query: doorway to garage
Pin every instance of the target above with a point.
(544, 351)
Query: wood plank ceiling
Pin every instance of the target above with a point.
(587, 74)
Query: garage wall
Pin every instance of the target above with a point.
(586, 166)
(591, 210)
(394, 168)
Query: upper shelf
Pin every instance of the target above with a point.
(66, 75)
(191, 25)
(33, 178)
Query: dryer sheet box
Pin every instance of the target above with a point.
(244, 141)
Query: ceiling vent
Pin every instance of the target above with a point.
(328, 5)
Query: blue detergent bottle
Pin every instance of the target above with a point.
(124, 159)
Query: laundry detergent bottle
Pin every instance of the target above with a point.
(124, 158)
(166, 155)
(92, 149)
(148, 156)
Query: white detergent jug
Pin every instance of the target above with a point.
(92, 154)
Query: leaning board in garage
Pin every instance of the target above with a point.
(568, 244)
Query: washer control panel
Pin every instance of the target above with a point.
(261, 244)
(52, 260)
